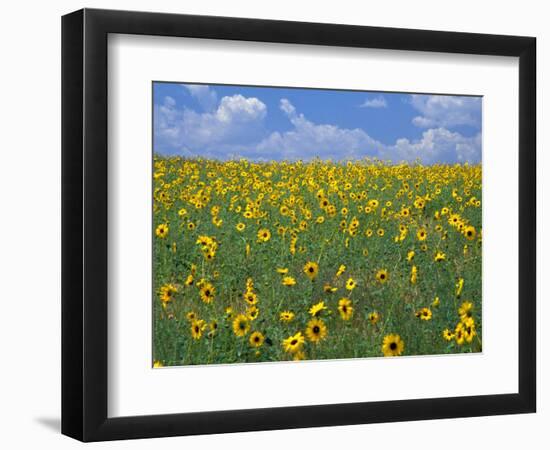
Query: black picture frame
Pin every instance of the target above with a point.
(84, 224)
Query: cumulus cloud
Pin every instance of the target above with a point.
(377, 102)
(235, 128)
(236, 121)
(207, 98)
(446, 111)
(308, 140)
(437, 145)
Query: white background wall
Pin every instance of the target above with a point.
(30, 192)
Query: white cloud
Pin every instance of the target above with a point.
(236, 120)
(206, 97)
(308, 140)
(235, 128)
(437, 145)
(377, 102)
(446, 111)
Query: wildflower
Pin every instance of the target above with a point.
(162, 230)
(241, 325)
(256, 339)
(316, 330)
(294, 343)
(345, 308)
(392, 345)
(316, 309)
(311, 269)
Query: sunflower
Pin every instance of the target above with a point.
(191, 315)
(459, 334)
(250, 297)
(405, 212)
(241, 325)
(157, 364)
(373, 317)
(469, 329)
(382, 275)
(439, 256)
(282, 270)
(436, 302)
(293, 344)
(380, 232)
(286, 316)
(410, 255)
(256, 339)
(392, 345)
(252, 312)
(414, 274)
(345, 308)
(316, 309)
(424, 314)
(207, 293)
(459, 286)
(289, 281)
(329, 289)
(311, 269)
(421, 234)
(448, 335)
(264, 235)
(190, 226)
(162, 230)
(316, 330)
(167, 293)
(351, 284)
(466, 310)
(299, 356)
(470, 232)
(240, 226)
(341, 270)
(197, 327)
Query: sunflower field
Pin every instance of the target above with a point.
(286, 261)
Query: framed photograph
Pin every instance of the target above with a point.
(273, 224)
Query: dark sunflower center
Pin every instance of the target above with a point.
(207, 293)
(242, 325)
(311, 269)
(382, 276)
(293, 342)
(393, 346)
(196, 329)
(316, 329)
(256, 339)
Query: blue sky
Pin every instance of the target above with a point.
(262, 123)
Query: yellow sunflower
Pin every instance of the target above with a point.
(392, 345)
(345, 308)
(311, 269)
(448, 335)
(288, 281)
(264, 235)
(167, 293)
(241, 325)
(316, 330)
(382, 275)
(351, 284)
(424, 314)
(293, 344)
(286, 316)
(256, 339)
(316, 309)
(162, 230)
(207, 293)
